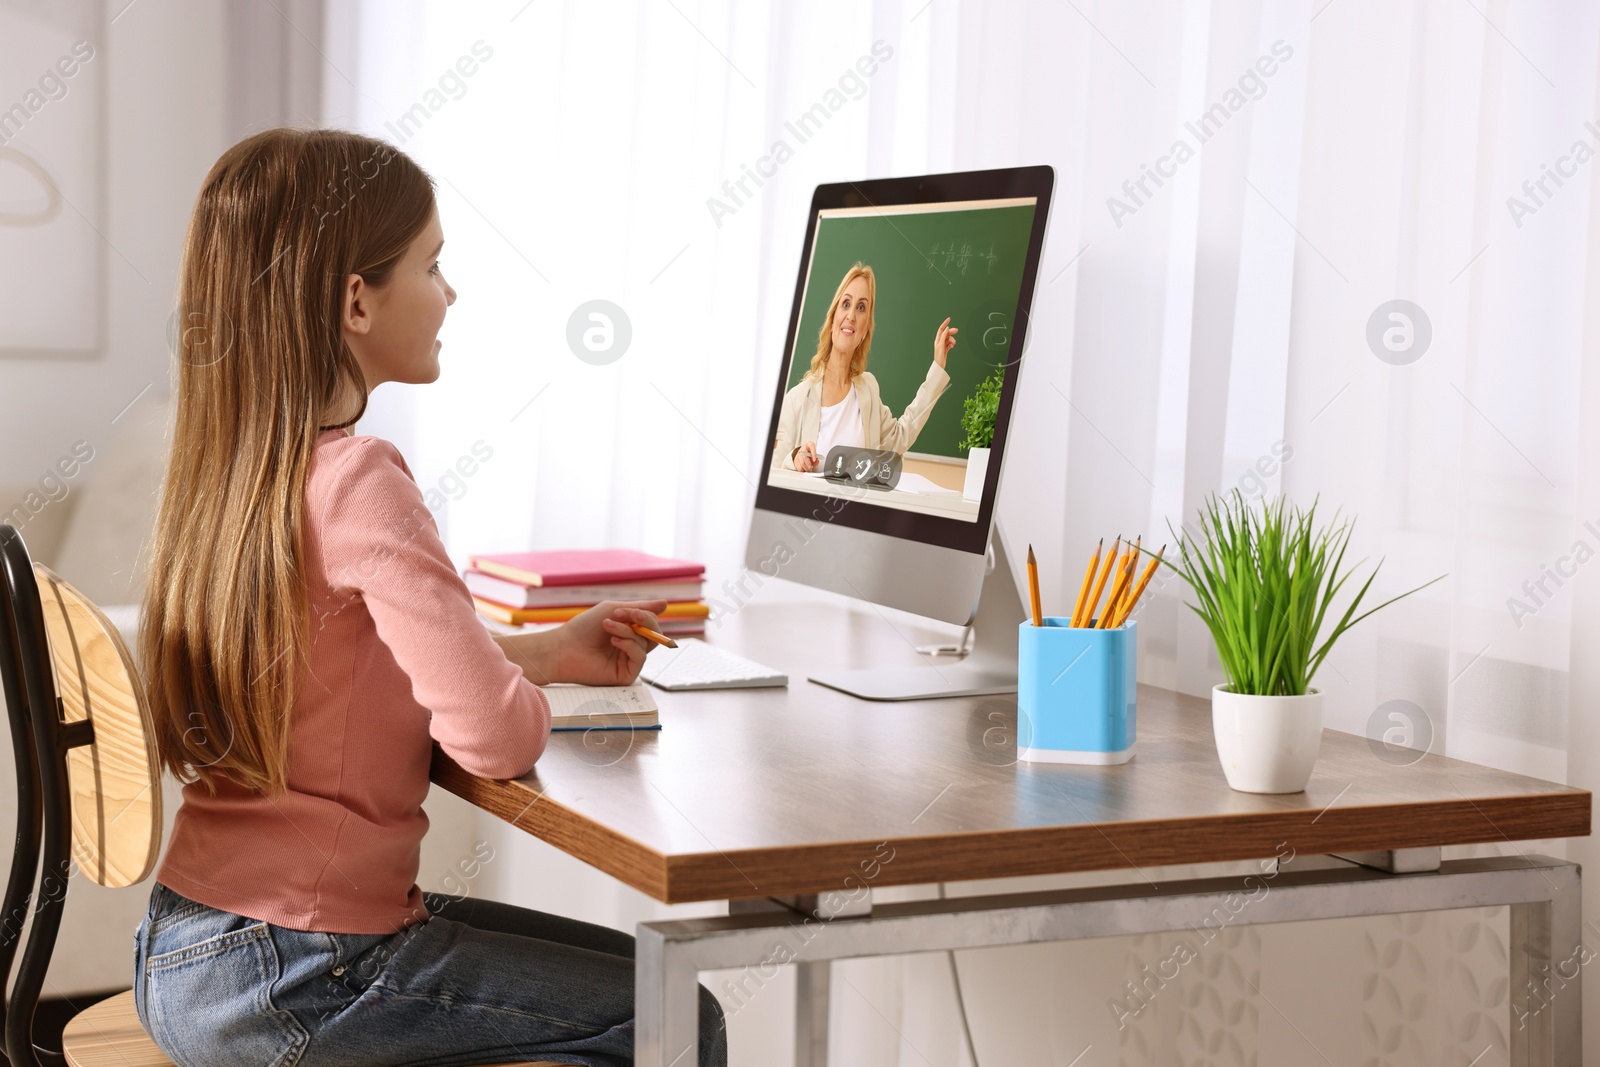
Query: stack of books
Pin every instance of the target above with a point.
(517, 588)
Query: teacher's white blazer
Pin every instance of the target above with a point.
(800, 418)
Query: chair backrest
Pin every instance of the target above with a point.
(115, 782)
(88, 784)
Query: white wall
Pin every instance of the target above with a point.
(164, 129)
(165, 99)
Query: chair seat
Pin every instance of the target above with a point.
(109, 1035)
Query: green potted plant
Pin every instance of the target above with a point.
(1265, 579)
(977, 424)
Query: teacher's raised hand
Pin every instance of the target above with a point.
(943, 341)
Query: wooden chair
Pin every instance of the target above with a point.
(88, 797)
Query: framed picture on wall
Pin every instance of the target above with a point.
(52, 195)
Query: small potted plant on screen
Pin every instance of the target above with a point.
(977, 423)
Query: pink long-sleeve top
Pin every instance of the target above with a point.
(398, 659)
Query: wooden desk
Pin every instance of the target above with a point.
(791, 793)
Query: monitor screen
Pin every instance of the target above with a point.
(902, 352)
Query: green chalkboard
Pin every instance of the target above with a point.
(966, 264)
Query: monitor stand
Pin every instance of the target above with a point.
(989, 669)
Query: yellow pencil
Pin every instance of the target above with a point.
(1132, 566)
(1118, 587)
(1033, 588)
(1138, 591)
(1113, 597)
(659, 638)
(1100, 584)
(1088, 580)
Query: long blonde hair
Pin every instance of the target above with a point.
(281, 221)
(858, 361)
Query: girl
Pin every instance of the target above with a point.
(305, 639)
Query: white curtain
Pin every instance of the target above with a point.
(1208, 316)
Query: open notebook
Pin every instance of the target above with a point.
(602, 707)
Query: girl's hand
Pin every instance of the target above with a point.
(598, 647)
(944, 339)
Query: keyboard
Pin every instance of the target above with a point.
(697, 665)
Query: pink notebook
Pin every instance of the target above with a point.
(592, 566)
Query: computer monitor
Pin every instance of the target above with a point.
(879, 474)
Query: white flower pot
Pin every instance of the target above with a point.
(1266, 744)
(977, 465)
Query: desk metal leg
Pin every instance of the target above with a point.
(811, 1014)
(812, 980)
(1544, 896)
(666, 1003)
(1547, 957)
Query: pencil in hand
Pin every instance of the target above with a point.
(661, 639)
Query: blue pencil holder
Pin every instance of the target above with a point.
(1076, 693)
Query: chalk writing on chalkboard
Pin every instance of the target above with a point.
(960, 255)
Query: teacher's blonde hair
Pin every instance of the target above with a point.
(858, 362)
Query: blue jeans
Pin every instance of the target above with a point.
(478, 982)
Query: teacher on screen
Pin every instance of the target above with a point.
(837, 402)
